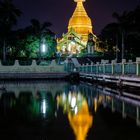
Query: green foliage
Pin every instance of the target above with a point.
(31, 38)
(30, 46)
(51, 45)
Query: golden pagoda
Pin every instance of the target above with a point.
(79, 27)
(80, 21)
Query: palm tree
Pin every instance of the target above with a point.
(8, 18)
(123, 23)
(129, 27)
(109, 37)
(133, 36)
(126, 30)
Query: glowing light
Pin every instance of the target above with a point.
(43, 107)
(63, 48)
(69, 47)
(72, 47)
(73, 43)
(95, 104)
(73, 102)
(80, 21)
(79, 97)
(76, 110)
(69, 97)
(81, 122)
(43, 48)
(79, 48)
(63, 97)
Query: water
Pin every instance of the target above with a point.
(57, 110)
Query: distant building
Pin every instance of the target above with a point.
(79, 28)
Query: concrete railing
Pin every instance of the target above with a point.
(124, 68)
(33, 68)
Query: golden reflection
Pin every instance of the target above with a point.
(95, 104)
(81, 122)
(76, 106)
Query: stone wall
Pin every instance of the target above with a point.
(34, 68)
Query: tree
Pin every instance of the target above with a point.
(133, 36)
(125, 33)
(108, 39)
(50, 44)
(30, 39)
(8, 18)
(40, 30)
(123, 23)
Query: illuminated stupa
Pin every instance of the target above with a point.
(79, 28)
(80, 21)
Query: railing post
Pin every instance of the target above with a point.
(83, 68)
(16, 63)
(97, 67)
(138, 66)
(112, 66)
(91, 67)
(104, 62)
(34, 63)
(87, 68)
(123, 110)
(123, 66)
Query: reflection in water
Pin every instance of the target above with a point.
(46, 106)
(7, 104)
(27, 106)
(126, 103)
(81, 122)
(54, 109)
(75, 105)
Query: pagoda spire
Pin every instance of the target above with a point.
(79, 0)
(80, 21)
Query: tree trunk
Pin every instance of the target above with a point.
(117, 44)
(4, 50)
(122, 44)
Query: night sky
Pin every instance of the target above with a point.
(58, 12)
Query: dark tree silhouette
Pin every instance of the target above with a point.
(125, 33)
(8, 18)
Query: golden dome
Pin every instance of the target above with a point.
(80, 21)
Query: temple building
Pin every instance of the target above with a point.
(79, 28)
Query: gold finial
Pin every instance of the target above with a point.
(79, 0)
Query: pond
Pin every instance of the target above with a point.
(59, 110)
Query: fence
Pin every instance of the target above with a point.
(124, 68)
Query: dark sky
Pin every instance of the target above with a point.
(58, 12)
